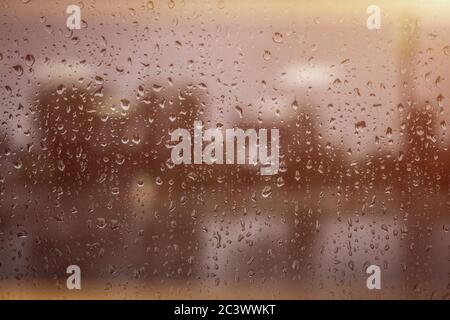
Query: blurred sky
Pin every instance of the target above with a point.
(258, 55)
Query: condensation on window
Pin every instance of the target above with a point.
(88, 176)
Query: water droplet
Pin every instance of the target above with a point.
(18, 70)
(280, 182)
(18, 163)
(239, 111)
(29, 60)
(101, 223)
(447, 50)
(48, 29)
(277, 37)
(267, 55)
(202, 86)
(440, 100)
(420, 131)
(360, 125)
(99, 80)
(157, 88)
(61, 165)
(389, 132)
(125, 104)
(266, 192)
(136, 139)
(120, 159)
(60, 89)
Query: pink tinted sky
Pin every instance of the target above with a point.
(260, 56)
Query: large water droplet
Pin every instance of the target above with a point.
(18, 70)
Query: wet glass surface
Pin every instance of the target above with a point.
(87, 176)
